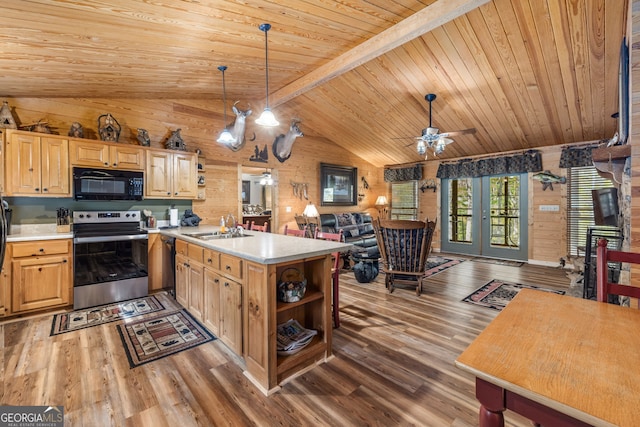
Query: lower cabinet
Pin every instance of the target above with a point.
(223, 308)
(5, 287)
(41, 273)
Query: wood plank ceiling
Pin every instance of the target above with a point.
(525, 73)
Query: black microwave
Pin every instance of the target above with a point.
(107, 184)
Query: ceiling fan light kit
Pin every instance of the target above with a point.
(266, 118)
(431, 136)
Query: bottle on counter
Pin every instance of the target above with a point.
(223, 227)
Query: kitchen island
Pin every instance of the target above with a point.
(231, 285)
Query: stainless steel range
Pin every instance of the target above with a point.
(109, 257)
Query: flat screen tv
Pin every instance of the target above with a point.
(605, 206)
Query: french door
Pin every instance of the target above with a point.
(485, 216)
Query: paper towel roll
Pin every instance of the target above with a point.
(173, 217)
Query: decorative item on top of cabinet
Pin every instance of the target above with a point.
(76, 130)
(7, 120)
(40, 126)
(175, 141)
(143, 137)
(108, 128)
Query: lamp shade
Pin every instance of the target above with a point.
(267, 118)
(382, 201)
(226, 137)
(311, 210)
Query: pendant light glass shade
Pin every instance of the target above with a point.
(225, 136)
(266, 118)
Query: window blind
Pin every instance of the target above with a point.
(404, 200)
(580, 182)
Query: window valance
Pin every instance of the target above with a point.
(529, 161)
(413, 173)
(574, 157)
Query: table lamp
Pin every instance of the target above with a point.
(381, 204)
(311, 211)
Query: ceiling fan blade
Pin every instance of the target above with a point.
(444, 140)
(459, 132)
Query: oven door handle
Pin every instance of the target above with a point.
(98, 239)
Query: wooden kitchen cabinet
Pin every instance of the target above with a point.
(223, 307)
(171, 175)
(190, 281)
(106, 155)
(37, 165)
(41, 274)
(5, 285)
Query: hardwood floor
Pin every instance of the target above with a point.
(393, 365)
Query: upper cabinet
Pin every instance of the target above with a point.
(106, 155)
(171, 174)
(37, 165)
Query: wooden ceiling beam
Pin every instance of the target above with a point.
(429, 18)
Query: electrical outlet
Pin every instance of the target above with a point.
(288, 209)
(549, 208)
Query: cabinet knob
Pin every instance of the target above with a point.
(41, 250)
(175, 194)
(115, 164)
(45, 189)
(209, 260)
(30, 169)
(37, 189)
(226, 284)
(106, 163)
(228, 267)
(216, 280)
(168, 193)
(64, 260)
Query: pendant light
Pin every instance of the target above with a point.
(266, 118)
(225, 136)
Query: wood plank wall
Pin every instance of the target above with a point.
(200, 126)
(634, 131)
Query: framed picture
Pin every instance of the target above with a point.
(338, 185)
(246, 192)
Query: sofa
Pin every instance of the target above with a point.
(356, 228)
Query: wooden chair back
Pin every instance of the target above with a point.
(404, 246)
(335, 271)
(264, 228)
(294, 232)
(603, 285)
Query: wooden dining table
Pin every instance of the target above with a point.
(558, 361)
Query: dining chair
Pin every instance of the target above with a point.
(404, 246)
(264, 228)
(603, 284)
(293, 232)
(335, 272)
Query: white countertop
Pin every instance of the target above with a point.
(25, 233)
(263, 248)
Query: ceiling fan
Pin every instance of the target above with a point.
(431, 136)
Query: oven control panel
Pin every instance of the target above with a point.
(80, 217)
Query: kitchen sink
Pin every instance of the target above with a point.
(211, 235)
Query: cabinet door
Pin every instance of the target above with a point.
(182, 280)
(88, 153)
(5, 288)
(23, 165)
(40, 282)
(185, 176)
(55, 166)
(159, 174)
(127, 157)
(231, 314)
(260, 316)
(211, 314)
(196, 289)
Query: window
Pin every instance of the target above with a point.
(580, 182)
(404, 200)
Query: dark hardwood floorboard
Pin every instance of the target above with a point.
(392, 365)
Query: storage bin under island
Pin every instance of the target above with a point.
(231, 286)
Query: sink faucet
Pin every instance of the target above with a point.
(231, 223)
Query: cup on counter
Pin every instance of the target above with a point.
(151, 222)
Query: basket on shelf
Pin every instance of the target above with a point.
(292, 285)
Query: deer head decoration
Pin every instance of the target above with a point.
(239, 127)
(283, 144)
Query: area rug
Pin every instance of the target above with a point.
(88, 317)
(498, 261)
(437, 264)
(496, 294)
(151, 339)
